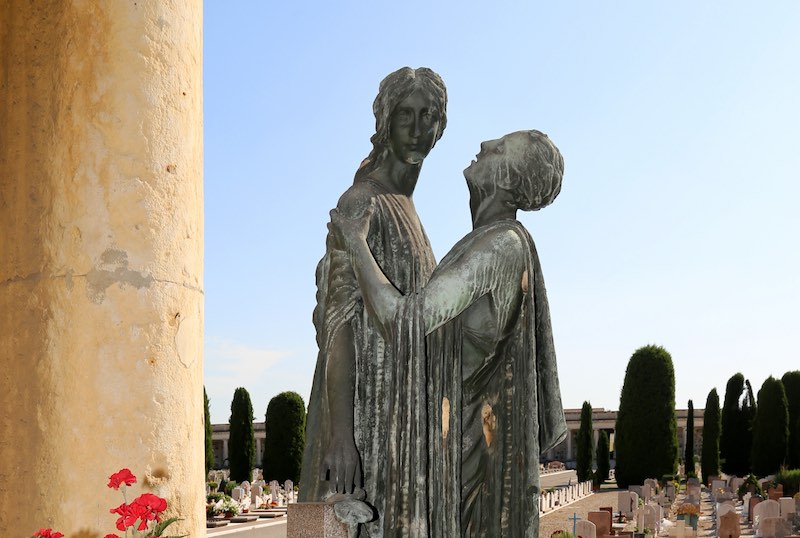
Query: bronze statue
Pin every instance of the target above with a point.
(358, 389)
(481, 394)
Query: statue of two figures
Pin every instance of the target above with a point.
(436, 386)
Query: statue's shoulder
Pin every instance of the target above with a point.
(507, 236)
(357, 199)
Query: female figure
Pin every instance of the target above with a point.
(493, 399)
(356, 398)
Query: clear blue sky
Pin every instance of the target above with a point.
(678, 220)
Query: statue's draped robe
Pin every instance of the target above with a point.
(390, 417)
(488, 423)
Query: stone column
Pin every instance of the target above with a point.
(101, 261)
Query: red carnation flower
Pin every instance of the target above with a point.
(124, 476)
(152, 502)
(126, 519)
(148, 507)
(48, 533)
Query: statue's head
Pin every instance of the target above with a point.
(525, 164)
(398, 86)
(412, 89)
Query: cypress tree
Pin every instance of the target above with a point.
(646, 439)
(209, 441)
(242, 441)
(603, 457)
(733, 429)
(688, 454)
(749, 408)
(791, 384)
(770, 428)
(283, 448)
(584, 456)
(709, 461)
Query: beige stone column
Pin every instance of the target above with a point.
(101, 260)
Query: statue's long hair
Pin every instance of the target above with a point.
(392, 90)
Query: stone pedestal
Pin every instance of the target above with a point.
(314, 520)
(101, 261)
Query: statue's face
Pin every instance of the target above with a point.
(482, 172)
(414, 124)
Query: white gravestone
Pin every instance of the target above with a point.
(634, 501)
(787, 506)
(288, 490)
(774, 527)
(274, 489)
(255, 495)
(652, 517)
(765, 510)
(586, 529)
(624, 503)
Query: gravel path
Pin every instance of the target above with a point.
(558, 519)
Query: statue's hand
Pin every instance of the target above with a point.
(349, 232)
(344, 464)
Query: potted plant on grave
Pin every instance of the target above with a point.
(690, 513)
(229, 507)
(212, 510)
(750, 485)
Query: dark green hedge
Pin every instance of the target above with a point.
(790, 480)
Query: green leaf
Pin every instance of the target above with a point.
(159, 529)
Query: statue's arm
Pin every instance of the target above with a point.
(342, 464)
(492, 263)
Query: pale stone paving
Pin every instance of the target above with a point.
(558, 519)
